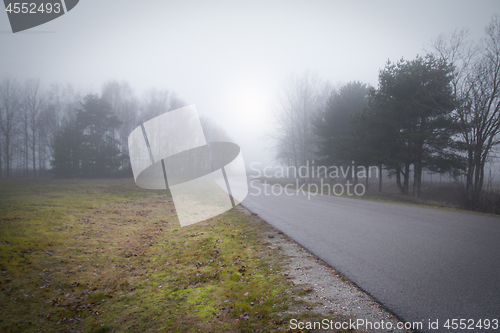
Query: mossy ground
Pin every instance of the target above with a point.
(105, 255)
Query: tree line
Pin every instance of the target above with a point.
(439, 112)
(59, 131)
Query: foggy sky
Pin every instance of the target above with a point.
(229, 57)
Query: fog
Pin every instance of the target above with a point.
(228, 57)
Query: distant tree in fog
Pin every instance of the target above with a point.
(212, 131)
(9, 109)
(476, 86)
(125, 106)
(40, 125)
(405, 122)
(62, 102)
(415, 102)
(299, 99)
(93, 150)
(32, 106)
(156, 102)
(333, 124)
(66, 149)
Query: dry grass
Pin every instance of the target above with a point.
(107, 256)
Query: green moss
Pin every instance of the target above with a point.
(79, 254)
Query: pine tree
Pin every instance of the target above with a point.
(67, 149)
(87, 147)
(415, 103)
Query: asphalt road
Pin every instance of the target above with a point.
(421, 263)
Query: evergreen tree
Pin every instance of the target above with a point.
(87, 147)
(415, 102)
(66, 152)
(338, 144)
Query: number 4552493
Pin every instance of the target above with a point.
(33, 8)
(471, 324)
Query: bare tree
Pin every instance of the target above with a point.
(125, 106)
(62, 101)
(476, 83)
(456, 49)
(212, 131)
(299, 100)
(33, 101)
(9, 106)
(154, 103)
(31, 118)
(44, 142)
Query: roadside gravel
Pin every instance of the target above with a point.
(330, 294)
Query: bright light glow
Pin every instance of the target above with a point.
(252, 105)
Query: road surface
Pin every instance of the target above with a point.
(422, 264)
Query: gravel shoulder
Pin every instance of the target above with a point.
(331, 294)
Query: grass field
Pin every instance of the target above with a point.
(107, 256)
